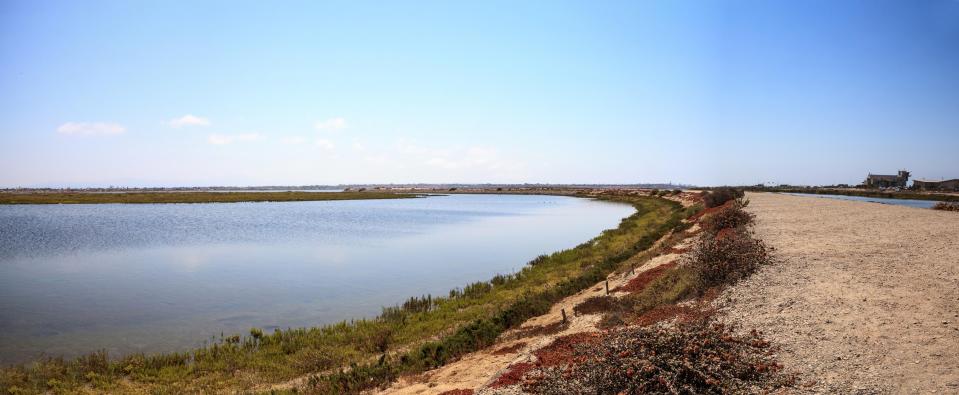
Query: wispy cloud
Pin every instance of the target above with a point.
(471, 158)
(330, 125)
(358, 146)
(189, 120)
(377, 159)
(293, 140)
(91, 128)
(223, 139)
(325, 145)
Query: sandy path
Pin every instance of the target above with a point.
(864, 297)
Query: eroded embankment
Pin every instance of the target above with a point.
(863, 297)
(650, 332)
(505, 363)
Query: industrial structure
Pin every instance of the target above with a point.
(887, 181)
(936, 185)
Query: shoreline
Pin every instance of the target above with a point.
(418, 316)
(857, 299)
(7, 198)
(905, 194)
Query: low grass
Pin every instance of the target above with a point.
(346, 357)
(187, 197)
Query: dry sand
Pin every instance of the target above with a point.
(863, 298)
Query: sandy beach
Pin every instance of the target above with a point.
(863, 297)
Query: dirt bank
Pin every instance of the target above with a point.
(864, 297)
(482, 369)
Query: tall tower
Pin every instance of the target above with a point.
(903, 178)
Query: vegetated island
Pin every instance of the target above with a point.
(189, 197)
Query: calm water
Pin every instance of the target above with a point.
(898, 202)
(127, 278)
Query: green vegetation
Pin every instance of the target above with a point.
(693, 354)
(720, 196)
(725, 252)
(422, 333)
(187, 197)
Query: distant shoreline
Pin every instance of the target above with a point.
(190, 197)
(907, 194)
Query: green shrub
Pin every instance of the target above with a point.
(728, 258)
(729, 217)
(946, 206)
(720, 196)
(674, 285)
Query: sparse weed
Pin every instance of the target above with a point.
(946, 206)
(720, 196)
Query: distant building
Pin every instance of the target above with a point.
(887, 181)
(936, 185)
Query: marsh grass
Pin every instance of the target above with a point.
(188, 197)
(419, 334)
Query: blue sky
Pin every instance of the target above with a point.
(170, 93)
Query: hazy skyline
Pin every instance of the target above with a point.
(254, 93)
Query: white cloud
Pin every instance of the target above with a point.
(408, 148)
(293, 140)
(377, 159)
(358, 146)
(325, 145)
(470, 159)
(189, 120)
(222, 139)
(91, 128)
(442, 162)
(332, 124)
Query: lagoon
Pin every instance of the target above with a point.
(165, 277)
(897, 202)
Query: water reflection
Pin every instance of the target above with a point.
(127, 278)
